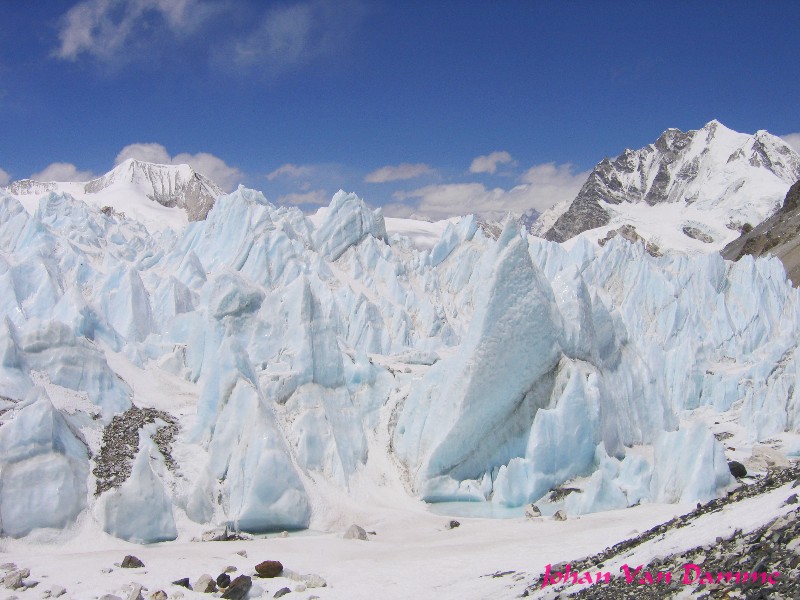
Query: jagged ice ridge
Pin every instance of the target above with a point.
(546, 364)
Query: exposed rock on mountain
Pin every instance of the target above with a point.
(778, 236)
(712, 172)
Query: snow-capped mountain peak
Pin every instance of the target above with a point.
(158, 195)
(714, 178)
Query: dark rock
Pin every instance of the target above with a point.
(269, 568)
(792, 499)
(183, 583)
(238, 588)
(453, 524)
(121, 443)
(282, 592)
(223, 580)
(131, 562)
(737, 469)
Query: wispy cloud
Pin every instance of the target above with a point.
(489, 162)
(104, 29)
(316, 197)
(5, 178)
(290, 171)
(398, 173)
(793, 139)
(289, 36)
(62, 171)
(540, 187)
(213, 167)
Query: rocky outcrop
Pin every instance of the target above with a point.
(778, 236)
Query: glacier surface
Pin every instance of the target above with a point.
(488, 370)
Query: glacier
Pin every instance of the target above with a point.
(486, 370)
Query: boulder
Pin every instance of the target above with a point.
(453, 524)
(532, 511)
(158, 595)
(282, 592)
(205, 584)
(737, 469)
(238, 588)
(312, 580)
(561, 515)
(223, 580)
(183, 583)
(355, 532)
(269, 568)
(136, 592)
(131, 562)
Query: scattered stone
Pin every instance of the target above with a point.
(136, 592)
(223, 580)
(231, 569)
(121, 444)
(183, 583)
(312, 580)
(106, 570)
(283, 534)
(131, 562)
(30, 584)
(791, 499)
(532, 511)
(560, 515)
(238, 588)
(214, 535)
(242, 553)
(300, 587)
(282, 592)
(13, 580)
(110, 597)
(355, 532)
(453, 524)
(158, 595)
(205, 584)
(269, 568)
(737, 469)
(57, 591)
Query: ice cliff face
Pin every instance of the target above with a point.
(739, 178)
(297, 358)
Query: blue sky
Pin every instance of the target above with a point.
(433, 108)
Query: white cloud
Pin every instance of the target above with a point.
(793, 139)
(103, 28)
(292, 35)
(397, 173)
(291, 171)
(489, 162)
(61, 171)
(152, 153)
(213, 167)
(540, 187)
(318, 197)
(4, 177)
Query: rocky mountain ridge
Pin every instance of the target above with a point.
(711, 168)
